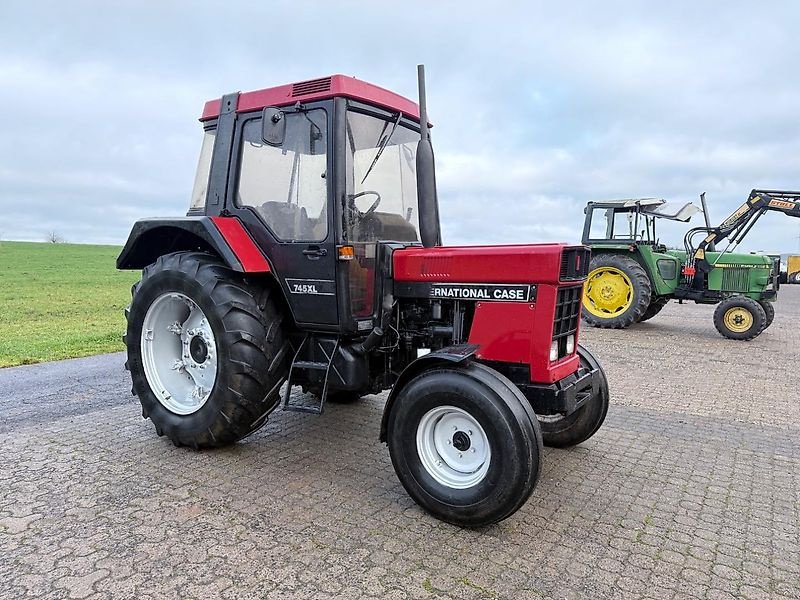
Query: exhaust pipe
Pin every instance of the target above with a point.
(426, 174)
(707, 218)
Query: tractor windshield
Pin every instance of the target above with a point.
(381, 179)
(381, 199)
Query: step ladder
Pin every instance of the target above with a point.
(309, 403)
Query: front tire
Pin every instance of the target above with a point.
(465, 444)
(559, 431)
(206, 350)
(769, 311)
(656, 304)
(617, 292)
(739, 318)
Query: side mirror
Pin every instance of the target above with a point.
(273, 126)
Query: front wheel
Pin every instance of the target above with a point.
(769, 311)
(465, 444)
(739, 318)
(561, 431)
(656, 304)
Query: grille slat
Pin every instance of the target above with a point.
(574, 263)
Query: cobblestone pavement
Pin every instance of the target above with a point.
(690, 490)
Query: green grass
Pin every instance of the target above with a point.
(60, 301)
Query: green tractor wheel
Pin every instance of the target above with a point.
(617, 292)
(739, 318)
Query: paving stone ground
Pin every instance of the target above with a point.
(690, 490)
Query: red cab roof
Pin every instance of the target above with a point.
(318, 89)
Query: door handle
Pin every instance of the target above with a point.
(315, 252)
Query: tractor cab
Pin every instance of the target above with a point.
(318, 173)
(631, 220)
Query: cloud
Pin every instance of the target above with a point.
(538, 106)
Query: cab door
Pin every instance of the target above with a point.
(282, 195)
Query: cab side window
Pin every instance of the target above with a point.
(287, 185)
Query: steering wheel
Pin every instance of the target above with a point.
(372, 208)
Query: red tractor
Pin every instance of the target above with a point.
(311, 257)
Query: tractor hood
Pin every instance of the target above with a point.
(531, 263)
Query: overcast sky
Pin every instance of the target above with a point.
(538, 107)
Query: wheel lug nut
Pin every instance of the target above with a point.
(469, 431)
(460, 455)
(472, 450)
(455, 428)
(449, 442)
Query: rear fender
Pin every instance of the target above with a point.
(225, 237)
(446, 356)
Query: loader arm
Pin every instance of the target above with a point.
(740, 222)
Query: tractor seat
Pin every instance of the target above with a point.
(287, 220)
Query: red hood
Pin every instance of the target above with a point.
(529, 263)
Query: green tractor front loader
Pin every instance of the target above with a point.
(632, 275)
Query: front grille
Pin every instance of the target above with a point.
(735, 279)
(568, 311)
(311, 87)
(574, 263)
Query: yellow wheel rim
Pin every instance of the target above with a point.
(738, 319)
(608, 292)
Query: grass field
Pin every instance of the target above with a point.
(60, 301)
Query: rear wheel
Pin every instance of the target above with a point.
(656, 304)
(769, 311)
(562, 431)
(617, 292)
(206, 350)
(739, 318)
(465, 444)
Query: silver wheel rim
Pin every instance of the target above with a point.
(453, 447)
(179, 353)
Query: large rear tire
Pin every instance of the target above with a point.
(559, 431)
(206, 350)
(465, 444)
(739, 318)
(617, 292)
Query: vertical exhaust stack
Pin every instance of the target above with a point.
(426, 174)
(707, 218)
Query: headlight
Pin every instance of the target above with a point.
(554, 351)
(570, 343)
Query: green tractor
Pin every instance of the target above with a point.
(632, 276)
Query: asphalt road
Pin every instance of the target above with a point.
(690, 490)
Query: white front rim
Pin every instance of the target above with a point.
(179, 353)
(453, 447)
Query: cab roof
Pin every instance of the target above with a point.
(318, 89)
(657, 207)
